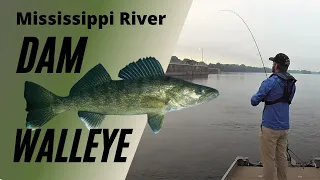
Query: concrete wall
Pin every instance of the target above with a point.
(214, 70)
(190, 70)
(186, 69)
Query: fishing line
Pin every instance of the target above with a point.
(252, 37)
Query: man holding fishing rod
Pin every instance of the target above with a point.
(276, 92)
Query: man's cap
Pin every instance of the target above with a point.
(281, 59)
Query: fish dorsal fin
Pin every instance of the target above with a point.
(142, 68)
(97, 75)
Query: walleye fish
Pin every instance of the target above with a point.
(144, 89)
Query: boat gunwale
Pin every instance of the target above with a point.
(233, 166)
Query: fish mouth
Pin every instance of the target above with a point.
(213, 94)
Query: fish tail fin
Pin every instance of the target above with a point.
(39, 105)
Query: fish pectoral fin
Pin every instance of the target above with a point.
(91, 120)
(97, 75)
(144, 67)
(155, 122)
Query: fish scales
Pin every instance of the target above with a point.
(124, 97)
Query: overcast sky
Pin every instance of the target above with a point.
(288, 26)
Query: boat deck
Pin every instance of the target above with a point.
(243, 169)
(294, 173)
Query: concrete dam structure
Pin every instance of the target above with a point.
(197, 70)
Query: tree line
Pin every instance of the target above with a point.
(234, 67)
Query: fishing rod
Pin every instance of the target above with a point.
(252, 37)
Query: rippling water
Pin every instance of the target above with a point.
(201, 142)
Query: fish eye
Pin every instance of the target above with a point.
(199, 90)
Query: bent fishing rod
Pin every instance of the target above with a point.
(251, 35)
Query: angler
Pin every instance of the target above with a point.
(277, 92)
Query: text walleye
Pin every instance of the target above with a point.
(89, 20)
(46, 150)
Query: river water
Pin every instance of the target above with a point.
(200, 143)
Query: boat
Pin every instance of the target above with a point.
(243, 169)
